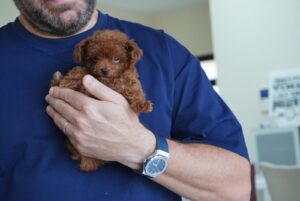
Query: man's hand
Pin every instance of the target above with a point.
(105, 128)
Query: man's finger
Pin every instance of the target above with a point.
(101, 91)
(60, 122)
(74, 98)
(63, 108)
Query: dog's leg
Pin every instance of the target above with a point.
(73, 80)
(88, 164)
(137, 101)
(74, 153)
(135, 96)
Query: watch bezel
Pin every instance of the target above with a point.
(158, 154)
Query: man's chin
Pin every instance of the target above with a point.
(69, 16)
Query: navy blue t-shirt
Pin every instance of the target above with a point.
(35, 164)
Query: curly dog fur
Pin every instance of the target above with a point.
(111, 57)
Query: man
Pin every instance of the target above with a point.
(203, 151)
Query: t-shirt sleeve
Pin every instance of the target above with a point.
(199, 113)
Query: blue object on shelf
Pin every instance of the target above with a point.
(264, 93)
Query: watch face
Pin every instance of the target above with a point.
(156, 166)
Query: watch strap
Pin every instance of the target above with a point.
(162, 144)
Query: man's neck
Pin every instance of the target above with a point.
(31, 29)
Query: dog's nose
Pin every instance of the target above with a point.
(104, 71)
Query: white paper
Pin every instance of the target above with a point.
(284, 97)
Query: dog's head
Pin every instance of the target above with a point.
(107, 53)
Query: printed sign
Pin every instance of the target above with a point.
(284, 104)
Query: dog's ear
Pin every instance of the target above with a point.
(80, 51)
(134, 51)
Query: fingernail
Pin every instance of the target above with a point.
(88, 79)
(48, 109)
(51, 90)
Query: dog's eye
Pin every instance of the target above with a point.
(94, 59)
(116, 60)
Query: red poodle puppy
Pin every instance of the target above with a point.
(111, 57)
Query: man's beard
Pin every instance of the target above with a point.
(47, 19)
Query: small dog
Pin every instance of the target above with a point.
(111, 57)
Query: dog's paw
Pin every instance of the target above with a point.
(142, 106)
(75, 157)
(57, 76)
(147, 107)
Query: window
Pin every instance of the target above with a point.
(210, 68)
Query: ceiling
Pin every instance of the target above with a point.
(150, 6)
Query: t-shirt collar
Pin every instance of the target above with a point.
(71, 40)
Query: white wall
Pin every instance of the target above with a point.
(143, 18)
(251, 39)
(8, 12)
(189, 25)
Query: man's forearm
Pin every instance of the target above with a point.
(206, 173)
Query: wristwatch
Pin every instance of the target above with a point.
(157, 163)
